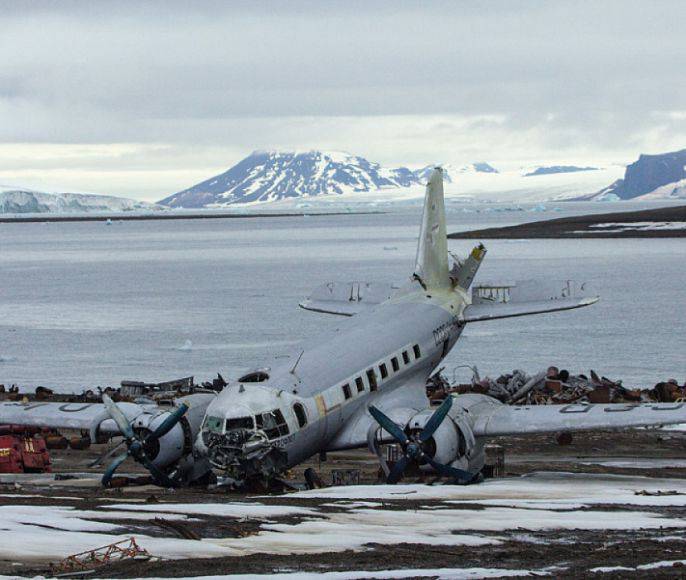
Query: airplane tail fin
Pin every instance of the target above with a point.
(431, 266)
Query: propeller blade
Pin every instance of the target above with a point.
(436, 419)
(107, 477)
(105, 456)
(159, 476)
(119, 418)
(386, 422)
(169, 422)
(396, 473)
(458, 475)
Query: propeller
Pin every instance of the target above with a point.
(138, 447)
(413, 445)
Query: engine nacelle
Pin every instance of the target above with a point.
(451, 444)
(169, 448)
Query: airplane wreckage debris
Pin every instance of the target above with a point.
(554, 387)
(26, 449)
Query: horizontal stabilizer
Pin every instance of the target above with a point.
(347, 298)
(490, 302)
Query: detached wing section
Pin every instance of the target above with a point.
(518, 420)
(347, 298)
(91, 417)
(493, 301)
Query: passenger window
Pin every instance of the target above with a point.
(395, 365)
(406, 357)
(346, 391)
(384, 370)
(300, 414)
(417, 352)
(360, 384)
(371, 377)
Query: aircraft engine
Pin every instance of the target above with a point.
(154, 441)
(451, 443)
(431, 440)
(166, 450)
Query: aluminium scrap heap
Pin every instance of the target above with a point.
(553, 386)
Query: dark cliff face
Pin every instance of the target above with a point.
(649, 173)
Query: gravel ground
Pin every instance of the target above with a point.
(573, 552)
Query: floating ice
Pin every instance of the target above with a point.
(186, 346)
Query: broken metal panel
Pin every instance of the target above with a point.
(463, 272)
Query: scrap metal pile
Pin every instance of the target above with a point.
(130, 391)
(555, 387)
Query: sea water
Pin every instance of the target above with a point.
(85, 304)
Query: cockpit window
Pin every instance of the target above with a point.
(239, 423)
(300, 414)
(214, 424)
(273, 424)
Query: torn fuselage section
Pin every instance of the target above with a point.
(244, 454)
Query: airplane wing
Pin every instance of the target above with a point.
(347, 298)
(92, 417)
(519, 420)
(492, 301)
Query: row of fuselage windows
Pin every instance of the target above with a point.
(273, 423)
(383, 371)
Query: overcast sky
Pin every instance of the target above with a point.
(144, 99)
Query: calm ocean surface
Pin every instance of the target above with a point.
(86, 304)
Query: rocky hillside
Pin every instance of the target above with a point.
(660, 176)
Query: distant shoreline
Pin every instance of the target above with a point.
(167, 216)
(587, 226)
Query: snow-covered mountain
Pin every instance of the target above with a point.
(273, 175)
(20, 200)
(299, 179)
(651, 177)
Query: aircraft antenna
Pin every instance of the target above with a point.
(292, 371)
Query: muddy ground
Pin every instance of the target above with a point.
(573, 552)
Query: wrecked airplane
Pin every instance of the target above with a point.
(363, 385)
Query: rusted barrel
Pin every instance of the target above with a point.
(80, 443)
(56, 442)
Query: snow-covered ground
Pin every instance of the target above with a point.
(450, 516)
(636, 226)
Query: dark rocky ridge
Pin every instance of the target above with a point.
(570, 227)
(646, 175)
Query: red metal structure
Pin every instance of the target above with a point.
(100, 556)
(21, 452)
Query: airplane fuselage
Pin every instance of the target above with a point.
(309, 402)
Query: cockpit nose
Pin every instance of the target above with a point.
(246, 431)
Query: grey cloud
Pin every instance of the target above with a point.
(570, 76)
